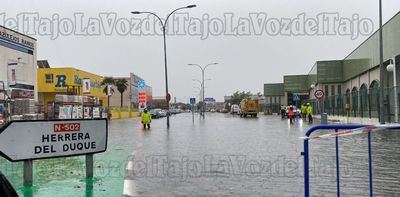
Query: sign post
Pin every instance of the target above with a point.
(192, 103)
(28, 173)
(319, 94)
(30, 140)
(89, 166)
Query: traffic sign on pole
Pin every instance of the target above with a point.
(30, 140)
(319, 94)
(296, 97)
(192, 101)
(168, 97)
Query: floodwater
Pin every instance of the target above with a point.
(223, 155)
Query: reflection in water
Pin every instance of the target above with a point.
(28, 191)
(89, 187)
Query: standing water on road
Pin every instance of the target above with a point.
(223, 155)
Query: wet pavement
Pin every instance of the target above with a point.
(223, 155)
(229, 156)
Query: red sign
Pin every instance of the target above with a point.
(67, 127)
(168, 97)
(142, 97)
(319, 94)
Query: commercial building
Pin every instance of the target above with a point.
(68, 81)
(350, 86)
(17, 68)
(137, 85)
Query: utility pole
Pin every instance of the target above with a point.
(203, 69)
(164, 24)
(381, 70)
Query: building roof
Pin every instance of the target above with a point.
(18, 33)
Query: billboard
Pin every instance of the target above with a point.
(134, 83)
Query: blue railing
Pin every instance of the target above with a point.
(336, 128)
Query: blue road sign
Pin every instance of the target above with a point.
(192, 101)
(296, 97)
(141, 84)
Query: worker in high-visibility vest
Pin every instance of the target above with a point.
(309, 113)
(146, 119)
(283, 111)
(303, 111)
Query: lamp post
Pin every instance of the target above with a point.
(163, 25)
(392, 68)
(201, 85)
(203, 69)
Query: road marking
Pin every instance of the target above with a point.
(129, 166)
(129, 184)
(130, 188)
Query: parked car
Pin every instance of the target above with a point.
(163, 113)
(175, 111)
(224, 111)
(155, 113)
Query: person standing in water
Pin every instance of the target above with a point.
(291, 114)
(146, 119)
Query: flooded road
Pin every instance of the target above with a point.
(223, 155)
(229, 156)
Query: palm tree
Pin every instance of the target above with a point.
(122, 86)
(106, 82)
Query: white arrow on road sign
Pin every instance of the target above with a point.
(28, 140)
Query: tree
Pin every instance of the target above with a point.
(238, 96)
(122, 86)
(106, 82)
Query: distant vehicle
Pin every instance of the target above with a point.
(235, 109)
(249, 107)
(163, 113)
(213, 110)
(224, 111)
(2, 121)
(174, 111)
(155, 113)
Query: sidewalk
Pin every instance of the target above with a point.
(350, 120)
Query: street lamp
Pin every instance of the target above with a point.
(392, 68)
(203, 69)
(163, 25)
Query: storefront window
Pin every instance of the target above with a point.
(49, 78)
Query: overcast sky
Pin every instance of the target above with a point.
(246, 62)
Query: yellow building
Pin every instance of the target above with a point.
(67, 80)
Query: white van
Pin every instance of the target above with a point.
(235, 109)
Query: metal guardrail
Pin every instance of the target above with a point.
(336, 128)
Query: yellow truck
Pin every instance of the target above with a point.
(249, 107)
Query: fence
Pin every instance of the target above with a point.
(363, 103)
(339, 130)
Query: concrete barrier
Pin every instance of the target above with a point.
(118, 113)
